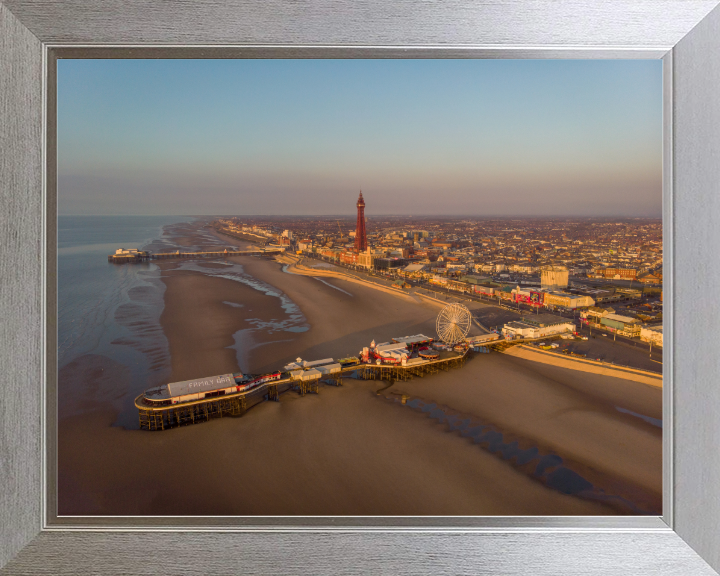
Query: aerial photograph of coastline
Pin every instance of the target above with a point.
(359, 287)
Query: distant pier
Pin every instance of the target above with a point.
(130, 256)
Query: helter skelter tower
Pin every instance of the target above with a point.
(360, 236)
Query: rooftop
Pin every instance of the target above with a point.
(206, 384)
(619, 318)
(599, 310)
(416, 339)
(543, 320)
(520, 324)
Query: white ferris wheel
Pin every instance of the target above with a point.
(453, 323)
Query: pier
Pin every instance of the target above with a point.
(123, 256)
(234, 405)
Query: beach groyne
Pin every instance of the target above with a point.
(584, 365)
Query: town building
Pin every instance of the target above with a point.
(367, 258)
(413, 270)
(652, 334)
(595, 313)
(540, 326)
(349, 257)
(616, 273)
(553, 277)
(528, 296)
(565, 300)
(623, 325)
(388, 264)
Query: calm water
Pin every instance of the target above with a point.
(114, 310)
(110, 309)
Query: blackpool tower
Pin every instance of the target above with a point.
(360, 236)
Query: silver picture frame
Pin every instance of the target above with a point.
(685, 34)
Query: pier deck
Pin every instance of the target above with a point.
(129, 259)
(233, 405)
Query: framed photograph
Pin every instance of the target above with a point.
(477, 389)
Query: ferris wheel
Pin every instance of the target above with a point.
(453, 323)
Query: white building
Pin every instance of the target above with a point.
(487, 268)
(652, 334)
(523, 268)
(453, 266)
(539, 326)
(594, 313)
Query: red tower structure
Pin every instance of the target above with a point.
(360, 236)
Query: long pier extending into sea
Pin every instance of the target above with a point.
(202, 410)
(123, 256)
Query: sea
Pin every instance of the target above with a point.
(112, 311)
(107, 309)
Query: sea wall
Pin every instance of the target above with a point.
(583, 365)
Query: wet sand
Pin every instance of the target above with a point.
(346, 450)
(199, 320)
(564, 412)
(343, 452)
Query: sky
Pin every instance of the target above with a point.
(418, 137)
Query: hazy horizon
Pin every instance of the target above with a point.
(376, 216)
(482, 138)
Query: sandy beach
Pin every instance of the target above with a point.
(348, 450)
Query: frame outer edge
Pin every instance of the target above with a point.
(373, 22)
(696, 112)
(20, 284)
(540, 554)
(21, 229)
(668, 322)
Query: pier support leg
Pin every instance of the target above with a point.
(273, 393)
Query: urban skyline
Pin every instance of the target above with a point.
(460, 137)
